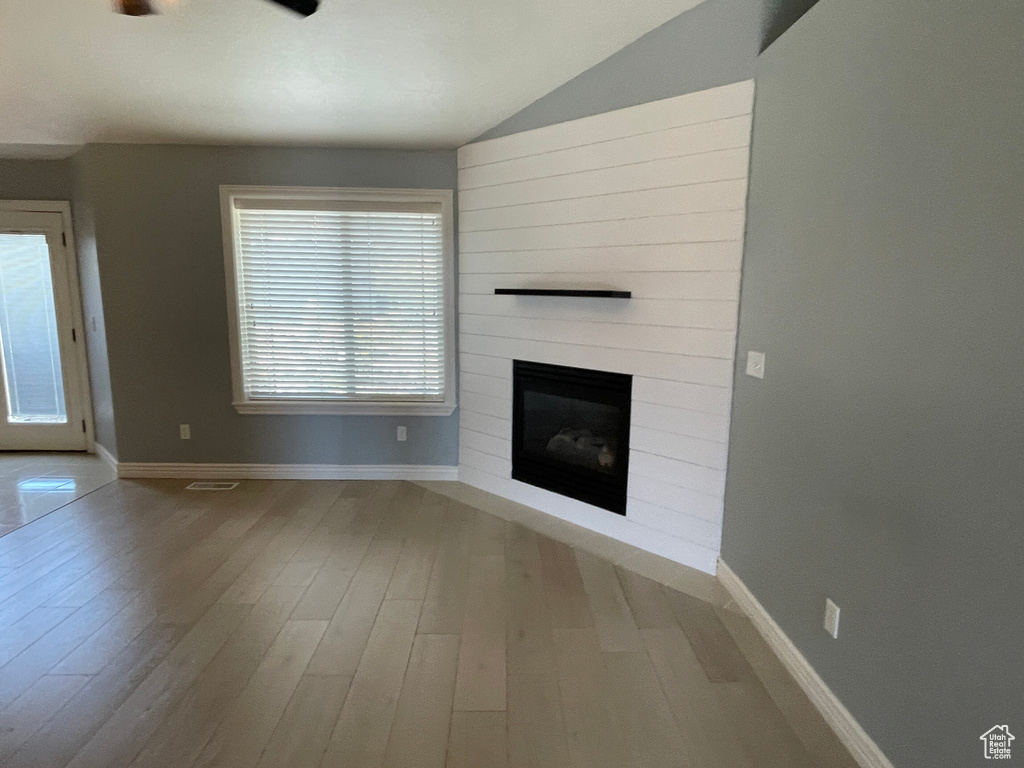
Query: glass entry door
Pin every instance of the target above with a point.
(40, 404)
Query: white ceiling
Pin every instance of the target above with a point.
(405, 73)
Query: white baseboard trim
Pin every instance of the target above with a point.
(106, 455)
(137, 470)
(862, 747)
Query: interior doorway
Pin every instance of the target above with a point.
(44, 396)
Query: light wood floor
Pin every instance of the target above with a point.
(360, 624)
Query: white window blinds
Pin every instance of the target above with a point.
(340, 301)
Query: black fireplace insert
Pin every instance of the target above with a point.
(570, 432)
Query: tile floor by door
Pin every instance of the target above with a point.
(325, 624)
(34, 484)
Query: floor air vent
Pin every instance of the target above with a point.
(211, 487)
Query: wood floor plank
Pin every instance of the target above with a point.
(109, 640)
(419, 736)
(182, 734)
(352, 624)
(530, 647)
(568, 605)
(181, 522)
(488, 535)
(22, 633)
(703, 715)
(30, 711)
(185, 578)
(302, 734)
(262, 572)
(296, 573)
(763, 729)
(172, 533)
(394, 503)
(537, 737)
(595, 737)
(613, 619)
(649, 728)
(520, 543)
(57, 742)
(347, 549)
(124, 734)
(714, 647)
(317, 548)
(536, 727)
(25, 669)
(30, 594)
(478, 739)
(480, 684)
(647, 601)
(445, 601)
(360, 738)
(185, 608)
(249, 723)
(412, 573)
(182, 556)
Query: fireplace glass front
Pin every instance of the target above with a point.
(570, 432)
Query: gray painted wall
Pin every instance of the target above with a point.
(715, 43)
(36, 179)
(880, 460)
(158, 233)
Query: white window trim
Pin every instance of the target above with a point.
(243, 404)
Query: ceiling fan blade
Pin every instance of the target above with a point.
(305, 7)
(135, 7)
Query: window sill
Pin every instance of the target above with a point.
(322, 408)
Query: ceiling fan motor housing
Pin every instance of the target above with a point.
(305, 7)
(145, 7)
(136, 7)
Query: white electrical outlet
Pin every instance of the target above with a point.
(185, 430)
(755, 364)
(831, 618)
(403, 434)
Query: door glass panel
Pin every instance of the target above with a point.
(28, 331)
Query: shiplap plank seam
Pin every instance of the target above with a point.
(584, 169)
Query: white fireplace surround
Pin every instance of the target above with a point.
(649, 199)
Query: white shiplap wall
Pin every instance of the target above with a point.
(649, 199)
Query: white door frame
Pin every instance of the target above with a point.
(77, 317)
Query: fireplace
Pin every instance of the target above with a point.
(570, 432)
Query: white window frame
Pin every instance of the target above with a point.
(245, 405)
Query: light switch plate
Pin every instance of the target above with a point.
(831, 618)
(755, 364)
(185, 431)
(403, 434)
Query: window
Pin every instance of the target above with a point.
(340, 300)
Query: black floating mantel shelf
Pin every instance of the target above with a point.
(575, 293)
